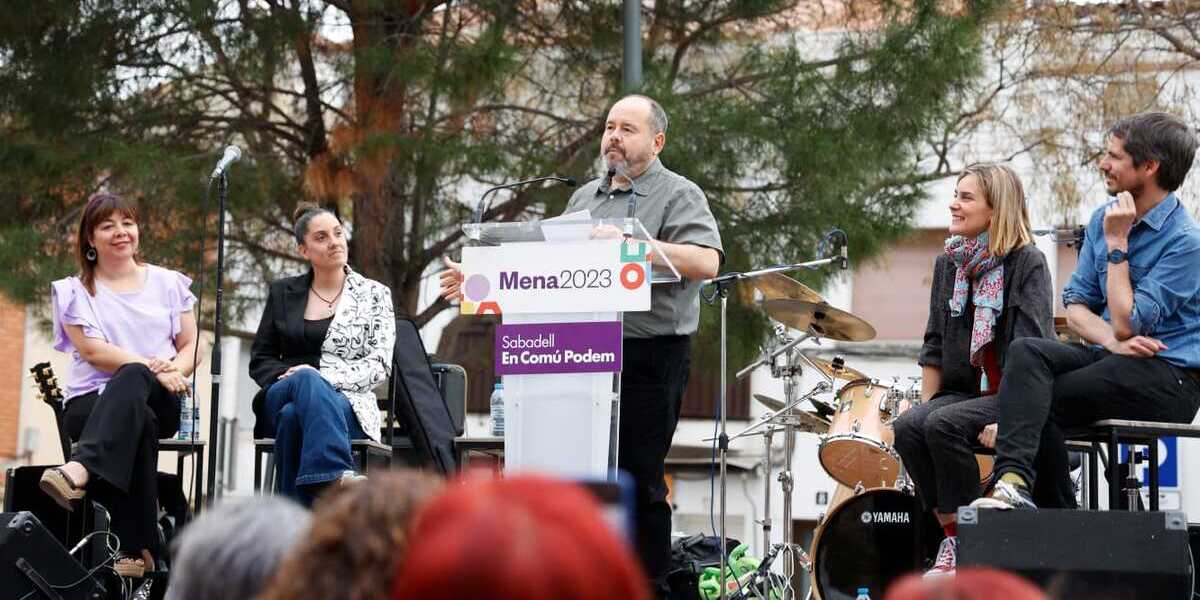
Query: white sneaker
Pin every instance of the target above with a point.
(947, 559)
(1006, 496)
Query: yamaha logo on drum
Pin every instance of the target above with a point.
(884, 517)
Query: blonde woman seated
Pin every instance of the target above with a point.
(990, 287)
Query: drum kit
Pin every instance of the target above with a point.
(875, 530)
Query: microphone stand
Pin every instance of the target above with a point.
(215, 367)
(723, 283)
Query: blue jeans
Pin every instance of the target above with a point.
(313, 425)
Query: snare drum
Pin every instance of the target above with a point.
(858, 448)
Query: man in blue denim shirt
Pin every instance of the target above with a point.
(1135, 296)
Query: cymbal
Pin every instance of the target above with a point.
(825, 320)
(777, 285)
(837, 369)
(802, 420)
(769, 402)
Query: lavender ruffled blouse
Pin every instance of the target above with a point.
(144, 322)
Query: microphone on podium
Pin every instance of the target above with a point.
(481, 206)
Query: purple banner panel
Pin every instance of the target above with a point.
(541, 348)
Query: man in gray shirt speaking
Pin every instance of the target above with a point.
(657, 347)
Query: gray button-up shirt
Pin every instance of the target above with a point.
(672, 209)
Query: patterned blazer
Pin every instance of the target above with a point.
(356, 355)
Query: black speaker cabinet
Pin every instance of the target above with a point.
(1083, 554)
(23, 494)
(35, 566)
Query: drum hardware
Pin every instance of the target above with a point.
(845, 328)
(858, 488)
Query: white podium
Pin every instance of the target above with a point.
(561, 296)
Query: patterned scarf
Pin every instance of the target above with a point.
(973, 262)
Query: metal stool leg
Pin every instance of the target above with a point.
(258, 455)
(1114, 475)
(270, 475)
(1153, 445)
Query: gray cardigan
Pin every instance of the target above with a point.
(1028, 312)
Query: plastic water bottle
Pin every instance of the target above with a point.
(185, 419)
(863, 594)
(496, 407)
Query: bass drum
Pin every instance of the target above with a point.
(870, 541)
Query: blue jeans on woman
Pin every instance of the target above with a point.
(313, 425)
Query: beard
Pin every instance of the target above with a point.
(623, 163)
(1116, 186)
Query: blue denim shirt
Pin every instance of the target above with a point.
(1164, 268)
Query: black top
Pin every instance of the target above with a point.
(314, 337)
(279, 343)
(1028, 312)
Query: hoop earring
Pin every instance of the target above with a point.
(90, 255)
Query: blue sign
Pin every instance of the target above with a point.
(1168, 464)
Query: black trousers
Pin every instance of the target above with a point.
(1049, 386)
(937, 441)
(117, 435)
(653, 379)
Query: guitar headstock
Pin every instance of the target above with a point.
(47, 382)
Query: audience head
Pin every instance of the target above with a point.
(968, 583)
(518, 538)
(320, 236)
(108, 233)
(359, 531)
(234, 549)
(989, 197)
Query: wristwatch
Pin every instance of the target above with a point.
(1117, 256)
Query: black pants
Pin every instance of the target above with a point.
(653, 378)
(1049, 385)
(117, 433)
(937, 441)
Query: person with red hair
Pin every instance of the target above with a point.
(520, 538)
(974, 583)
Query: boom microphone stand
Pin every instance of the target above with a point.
(214, 421)
(721, 289)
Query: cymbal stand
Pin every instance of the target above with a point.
(722, 284)
(791, 372)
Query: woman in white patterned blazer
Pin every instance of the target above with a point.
(324, 343)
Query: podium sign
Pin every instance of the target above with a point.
(541, 348)
(589, 276)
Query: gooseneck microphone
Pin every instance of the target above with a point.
(481, 207)
(232, 155)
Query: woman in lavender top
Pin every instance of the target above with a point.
(324, 343)
(131, 333)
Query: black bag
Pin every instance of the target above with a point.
(689, 557)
